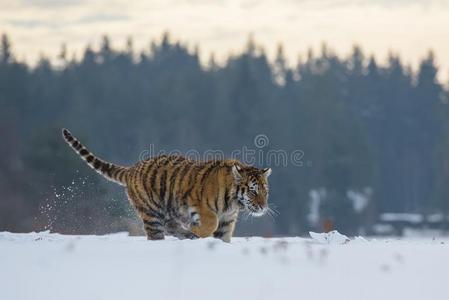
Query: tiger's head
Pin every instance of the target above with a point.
(252, 188)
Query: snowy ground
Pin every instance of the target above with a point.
(52, 266)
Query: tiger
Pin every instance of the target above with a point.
(185, 198)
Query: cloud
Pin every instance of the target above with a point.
(51, 3)
(30, 23)
(88, 19)
(409, 27)
(102, 17)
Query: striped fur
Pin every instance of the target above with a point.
(110, 171)
(185, 198)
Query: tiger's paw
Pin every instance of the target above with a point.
(191, 236)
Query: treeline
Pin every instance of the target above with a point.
(375, 137)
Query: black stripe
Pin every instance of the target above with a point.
(162, 185)
(163, 160)
(208, 171)
(204, 176)
(154, 206)
(153, 176)
(138, 207)
(152, 223)
(154, 173)
(105, 168)
(190, 184)
(226, 200)
(134, 185)
(153, 200)
(166, 161)
(225, 223)
(163, 178)
(119, 174)
(178, 160)
(141, 209)
(156, 202)
(216, 202)
(237, 192)
(183, 173)
(155, 214)
(75, 144)
(219, 234)
(211, 208)
(90, 158)
(144, 181)
(243, 191)
(84, 152)
(97, 163)
(187, 193)
(154, 232)
(172, 181)
(135, 174)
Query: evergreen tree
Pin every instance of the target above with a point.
(5, 50)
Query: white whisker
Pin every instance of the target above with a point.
(269, 213)
(273, 211)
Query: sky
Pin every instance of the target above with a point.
(406, 27)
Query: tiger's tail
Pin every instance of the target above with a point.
(110, 171)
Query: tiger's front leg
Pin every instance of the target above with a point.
(225, 229)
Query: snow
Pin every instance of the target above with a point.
(360, 200)
(316, 197)
(332, 237)
(401, 217)
(437, 218)
(117, 266)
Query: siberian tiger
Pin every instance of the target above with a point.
(184, 198)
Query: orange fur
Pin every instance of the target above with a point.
(185, 198)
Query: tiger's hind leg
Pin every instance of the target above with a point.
(153, 221)
(154, 229)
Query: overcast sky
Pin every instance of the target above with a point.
(408, 27)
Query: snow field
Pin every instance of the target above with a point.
(117, 266)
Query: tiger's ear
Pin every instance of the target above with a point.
(266, 172)
(236, 172)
